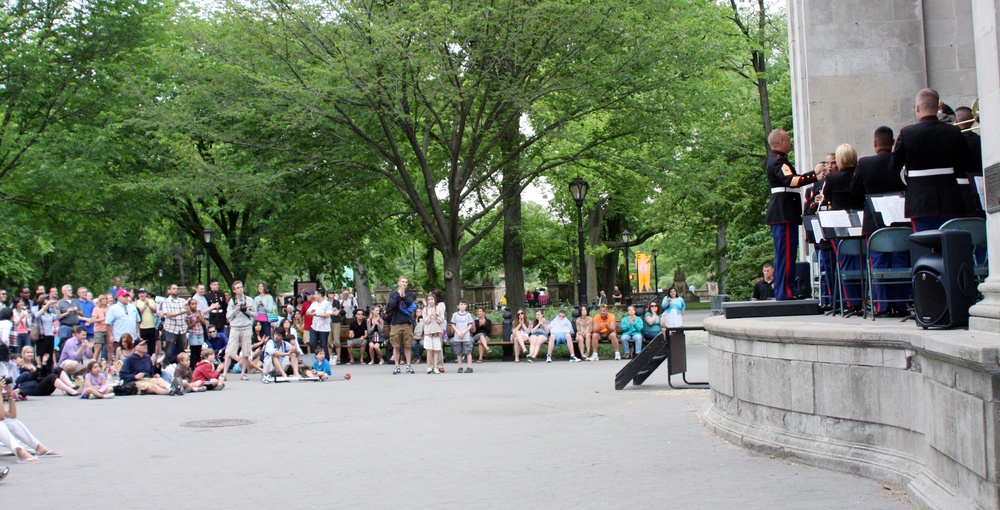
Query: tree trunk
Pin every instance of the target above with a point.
(432, 273)
(595, 222)
(452, 282)
(361, 290)
(720, 250)
(513, 248)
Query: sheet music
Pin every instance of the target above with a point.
(817, 230)
(892, 208)
(981, 189)
(834, 219)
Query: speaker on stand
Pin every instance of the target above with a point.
(944, 282)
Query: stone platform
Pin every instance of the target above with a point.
(879, 399)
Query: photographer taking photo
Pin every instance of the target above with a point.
(240, 313)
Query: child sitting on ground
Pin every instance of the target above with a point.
(183, 373)
(204, 375)
(321, 367)
(96, 383)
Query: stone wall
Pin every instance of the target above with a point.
(892, 403)
(858, 65)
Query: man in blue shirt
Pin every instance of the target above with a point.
(137, 372)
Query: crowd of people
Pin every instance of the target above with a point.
(131, 342)
(935, 164)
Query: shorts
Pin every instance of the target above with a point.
(64, 364)
(284, 361)
(560, 338)
(357, 342)
(196, 339)
(460, 347)
(239, 342)
(481, 338)
(101, 337)
(144, 383)
(431, 343)
(401, 335)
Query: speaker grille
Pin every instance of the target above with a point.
(930, 298)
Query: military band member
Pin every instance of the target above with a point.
(784, 213)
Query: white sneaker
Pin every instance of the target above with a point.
(594, 357)
(334, 361)
(574, 359)
(618, 356)
(548, 359)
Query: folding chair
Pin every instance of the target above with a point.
(886, 242)
(977, 228)
(849, 276)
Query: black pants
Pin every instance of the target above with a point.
(44, 346)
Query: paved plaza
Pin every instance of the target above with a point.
(507, 436)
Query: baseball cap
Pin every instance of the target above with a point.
(310, 292)
(122, 292)
(142, 289)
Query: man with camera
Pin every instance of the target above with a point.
(240, 313)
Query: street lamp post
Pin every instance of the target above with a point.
(159, 273)
(627, 238)
(656, 273)
(578, 188)
(207, 234)
(198, 257)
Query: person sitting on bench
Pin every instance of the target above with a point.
(279, 356)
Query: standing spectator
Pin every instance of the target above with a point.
(321, 311)
(434, 326)
(631, 326)
(561, 331)
(584, 326)
(674, 308)
(46, 313)
(7, 329)
(266, 307)
(604, 328)
(461, 343)
(26, 293)
(3, 296)
(336, 316)
(519, 334)
(216, 315)
(239, 314)
(196, 328)
(146, 307)
(115, 287)
(101, 328)
(348, 302)
(617, 295)
(69, 309)
(307, 320)
(400, 310)
(123, 317)
(175, 328)
(22, 319)
(86, 310)
(481, 331)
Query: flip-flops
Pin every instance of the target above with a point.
(50, 453)
(29, 460)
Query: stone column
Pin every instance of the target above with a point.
(986, 314)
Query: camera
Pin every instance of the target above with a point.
(243, 307)
(7, 380)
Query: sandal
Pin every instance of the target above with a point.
(244, 378)
(30, 460)
(49, 453)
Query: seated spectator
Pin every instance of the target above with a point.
(321, 367)
(561, 331)
(15, 436)
(95, 383)
(376, 338)
(184, 375)
(604, 329)
(631, 331)
(538, 336)
(137, 373)
(204, 374)
(218, 340)
(357, 337)
(481, 331)
(584, 330)
(651, 323)
(279, 355)
(39, 379)
(519, 335)
(76, 352)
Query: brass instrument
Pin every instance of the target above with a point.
(975, 117)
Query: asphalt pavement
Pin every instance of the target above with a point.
(508, 435)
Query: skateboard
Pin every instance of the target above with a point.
(268, 379)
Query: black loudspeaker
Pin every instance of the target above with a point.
(803, 280)
(944, 282)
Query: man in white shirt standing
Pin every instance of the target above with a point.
(321, 310)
